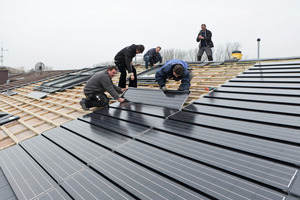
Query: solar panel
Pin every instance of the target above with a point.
(295, 188)
(267, 80)
(37, 94)
(255, 98)
(6, 192)
(113, 124)
(170, 99)
(27, 179)
(269, 76)
(273, 70)
(251, 167)
(263, 91)
(262, 85)
(58, 163)
(200, 177)
(97, 134)
(84, 149)
(89, 185)
(246, 115)
(141, 182)
(75, 177)
(145, 109)
(142, 119)
(249, 105)
(239, 136)
(5, 118)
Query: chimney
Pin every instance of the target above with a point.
(3, 75)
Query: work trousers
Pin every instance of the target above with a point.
(96, 99)
(123, 76)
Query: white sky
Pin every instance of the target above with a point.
(72, 34)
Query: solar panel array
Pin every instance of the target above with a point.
(69, 80)
(240, 141)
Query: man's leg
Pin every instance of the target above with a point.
(96, 99)
(146, 59)
(122, 80)
(133, 83)
(208, 52)
(200, 53)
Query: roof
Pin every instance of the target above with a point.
(23, 79)
(238, 141)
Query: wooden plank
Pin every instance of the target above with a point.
(10, 134)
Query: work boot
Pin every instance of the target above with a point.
(83, 105)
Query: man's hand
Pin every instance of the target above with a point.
(131, 76)
(123, 89)
(121, 100)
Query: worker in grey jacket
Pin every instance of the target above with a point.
(99, 83)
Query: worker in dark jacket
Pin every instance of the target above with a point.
(152, 56)
(205, 43)
(176, 69)
(123, 60)
(99, 83)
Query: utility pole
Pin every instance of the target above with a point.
(258, 40)
(1, 57)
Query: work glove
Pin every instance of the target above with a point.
(164, 88)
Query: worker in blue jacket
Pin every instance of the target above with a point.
(174, 69)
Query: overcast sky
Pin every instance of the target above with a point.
(72, 34)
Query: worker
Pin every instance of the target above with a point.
(123, 61)
(152, 56)
(205, 43)
(99, 83)
(174, 69)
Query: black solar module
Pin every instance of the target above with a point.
(256, 98)
(242, 140)
(262, 85)
(248, 105)
(146, 109)
(170, 99)
(267, 80)
(5, 118)
(6, 192)
(27, 179)
(75, 177)
(270, 75)
(138, 118)
(114, 124)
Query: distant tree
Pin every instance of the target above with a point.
(219, 53)
(224, 52)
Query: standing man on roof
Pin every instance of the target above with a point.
(205, 43)
(152, 56)
(176, 69)
(123, 60)
(99, 83)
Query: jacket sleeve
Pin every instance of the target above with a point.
(197, 39)
(185, 82)
(161, 75)
(109, 87)
(118, 89)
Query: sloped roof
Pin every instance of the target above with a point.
(239, 141)
(29, 78)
